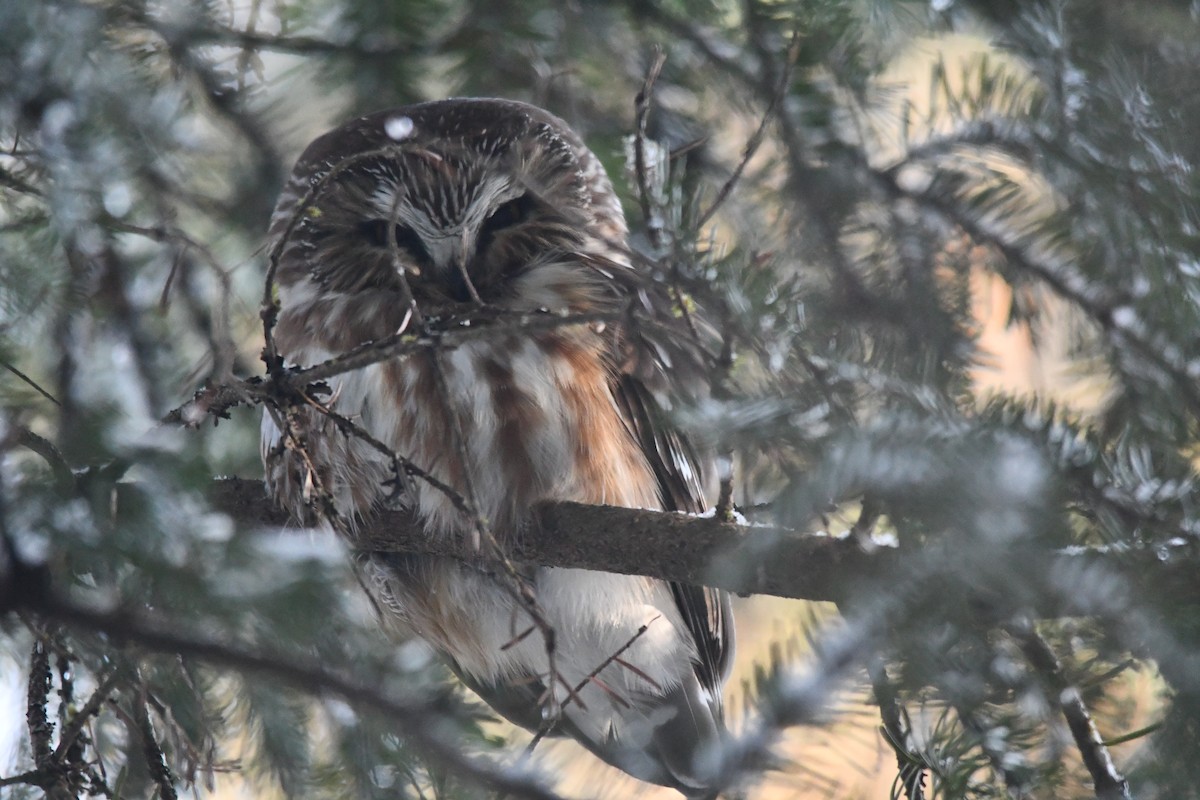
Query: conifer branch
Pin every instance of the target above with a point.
(421, 718)
(745, 559)
(1109, 783)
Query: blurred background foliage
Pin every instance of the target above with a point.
(956, 284)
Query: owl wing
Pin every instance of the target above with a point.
(706, 612)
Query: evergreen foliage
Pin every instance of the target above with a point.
(831, 230)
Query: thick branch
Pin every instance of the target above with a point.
(677, 547)
(703, 551)
(745, 559)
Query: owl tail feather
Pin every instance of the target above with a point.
(677, 743)
(690, 743)
(673, 740)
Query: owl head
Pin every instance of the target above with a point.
(468, 201)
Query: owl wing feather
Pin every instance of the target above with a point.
(706, 612)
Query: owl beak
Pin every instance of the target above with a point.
(451, 256)
(448, 253)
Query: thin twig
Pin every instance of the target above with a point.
(218, 400)
(323, 502)
(269, 310)
(652, 216)
(30, 381)
(548, 728)
(223, 346)
(408, 343)
(897, 730)
(615, 658)
(720, 390)
(401, 270)
(75, 726)
(156, 762)
(420, 719)
(1109, 783)
(756, 139)
(52, 455)
(713, 49)
(401, 466)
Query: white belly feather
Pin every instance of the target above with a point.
(469, 614)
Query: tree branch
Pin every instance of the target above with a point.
(745, 559)
(696, 550)
(1109, 783)
(420, 717)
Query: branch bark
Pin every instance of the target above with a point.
(743, 559)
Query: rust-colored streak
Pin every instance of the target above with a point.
(517, 417)
(428, 441)
(609, 467)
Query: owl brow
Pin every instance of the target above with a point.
(315, 188)
(529, 188)
(270, 315)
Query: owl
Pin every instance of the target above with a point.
(489, 212)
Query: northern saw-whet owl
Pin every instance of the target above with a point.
(484, 210)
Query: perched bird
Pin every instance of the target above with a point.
(490, 212)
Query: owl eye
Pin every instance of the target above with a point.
(508, 215)
(375, 231)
